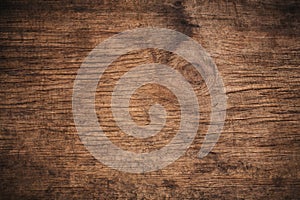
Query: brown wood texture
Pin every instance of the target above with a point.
(255, 45)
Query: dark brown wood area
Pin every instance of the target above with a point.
(255, 45)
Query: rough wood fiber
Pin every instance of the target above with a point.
(255, 45)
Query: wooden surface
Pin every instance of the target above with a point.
(255, 45)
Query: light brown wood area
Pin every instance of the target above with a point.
(255, 45)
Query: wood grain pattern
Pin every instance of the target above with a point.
(255, 45)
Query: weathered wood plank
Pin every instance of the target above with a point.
(255, 46)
